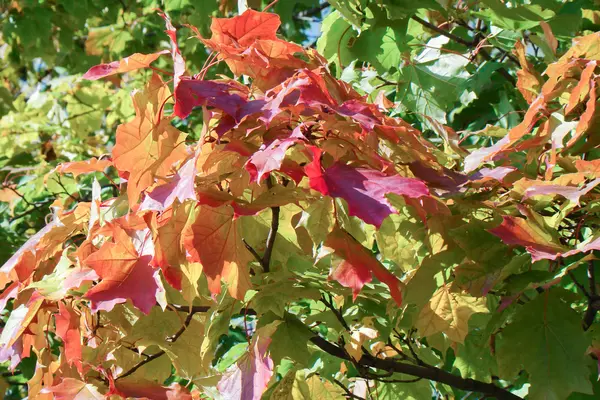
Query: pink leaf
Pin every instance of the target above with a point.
(571, 193)
(131, 63)
(269, 158)
(364, 189)
(181, 187)
(228, 97)
(249, 377)
(178, 62)
(517, 231)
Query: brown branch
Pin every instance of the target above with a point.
(426, 372)
(203, 309)
(266, 259)
(35, 207)
(592, 277)
(593, 305)
(444, 32)
(141, 364)
(579, 285)
(337, 312)
(349, 394)
(254, 252)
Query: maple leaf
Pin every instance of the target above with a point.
(363, 189)
(27, 247)
(528, 80)
(477, 157)
(269, 158)
(146, 148)
(82, 167)
(178, 61)
(228, 96)
(67, 328)
(181, 187)
(546, 338)
(248, 378)
(249, 45)
(19, 320)
(518, 231)
(127, 64)
(214, 240)
(539, 188)
(244, 29)
(124, 273)
(74, 389)
(585, 122)
(359, 335)
(449, 312)
(358, 265)
(583, 87)
(168, 249)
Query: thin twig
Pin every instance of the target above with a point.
(337, 312)
(141, 364)
(579, 285)
(266, 259)
(251, 250)
(349, 394)
(470, 44)
(443, 32)
(410, 348)
(592, 277)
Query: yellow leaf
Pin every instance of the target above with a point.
(449, 313)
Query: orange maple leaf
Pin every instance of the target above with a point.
(215, 241)
(148, 146)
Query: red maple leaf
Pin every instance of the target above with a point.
(125, 274)
(358, 265)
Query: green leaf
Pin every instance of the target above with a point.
(335, 42)
(400, 239)
(410, 391)
(351, 10)
(517, 17)
(433, 83)
(382, 46)
(546, 338)
(474, 358)
(291, 340)
(318, 219)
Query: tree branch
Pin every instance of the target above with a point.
(141, 364)
(337, 312)
(203, 309)
(592, 277)
(579, 285)
(443, 32)
(349, 394)
(266, 259)
(426, 372)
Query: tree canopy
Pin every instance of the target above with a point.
(365, 199)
